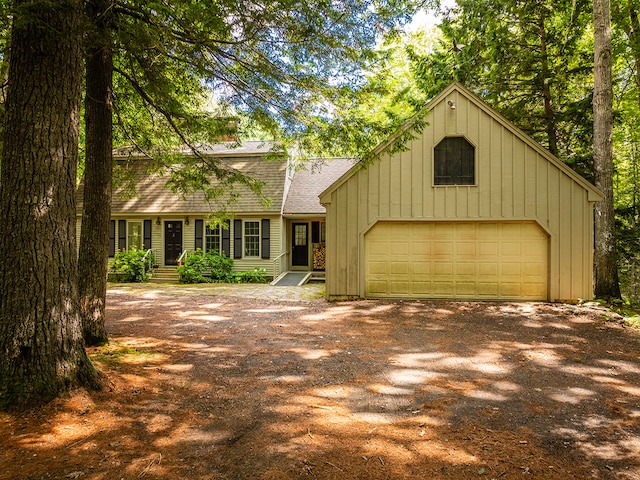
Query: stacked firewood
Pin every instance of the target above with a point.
(319, 256)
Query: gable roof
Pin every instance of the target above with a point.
(307, 185)
(153, 197)
(593, 193)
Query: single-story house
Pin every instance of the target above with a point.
(472, 209)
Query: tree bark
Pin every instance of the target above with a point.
(94, 238)
(607, 285)
(41, 348)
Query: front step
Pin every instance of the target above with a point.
(317, 276)
(165, 275)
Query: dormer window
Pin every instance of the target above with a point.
(454, 162)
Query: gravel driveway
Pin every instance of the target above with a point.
(275, 383)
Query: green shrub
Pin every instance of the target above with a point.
(220, 266)
(131, 265)
(200, 267)
(194, 268)
(257, 275)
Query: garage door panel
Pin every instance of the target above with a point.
(466, 269)
(442, 249)
(378, 268)
(510, 290)
(531, 289)
(510, 269)
(441, 230)
(443, 289)
(466, 248)
(466, 288)
(399, 248)
(494, 260)
(487, 270)
(487, 289)
(420, 268)
(534, 270)
(442, 269)
(399, 268)
(398, 287)
(420, 248)
(378, 248)
(511, 249)
(488, 249)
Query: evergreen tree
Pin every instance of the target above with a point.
(98, 169)
(531, 61)
(607, 285)
(41, 349)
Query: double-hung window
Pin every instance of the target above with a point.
(134, 234)
(213, 239)
(251, 239)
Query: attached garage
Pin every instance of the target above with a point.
(490, 260)
(472, 209)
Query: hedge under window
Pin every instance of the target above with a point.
(454, 162)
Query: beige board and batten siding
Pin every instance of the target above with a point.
(516, 181)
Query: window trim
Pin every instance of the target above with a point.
(133, 223)
(475, 163)
(257, 236)
(207, 234)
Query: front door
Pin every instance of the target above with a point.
(172, 242)
(300, 247)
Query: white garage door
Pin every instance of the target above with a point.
(473, 260)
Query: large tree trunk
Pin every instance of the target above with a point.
(94, 238)
(41, 348)
(605, 261)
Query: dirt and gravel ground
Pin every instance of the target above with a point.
(260, 382)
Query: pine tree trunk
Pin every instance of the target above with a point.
(94, 238)
(607, 285)
(41, 348)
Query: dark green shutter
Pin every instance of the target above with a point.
(199, 231)
(266, 236)
(237, 239)
(112, 238)
(315, 232)
(226, 238)
(147, 234)
(122, 234)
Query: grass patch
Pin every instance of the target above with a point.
(630, 316)
(116, 354)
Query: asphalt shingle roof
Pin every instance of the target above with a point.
(154, 197)
(308, 184)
